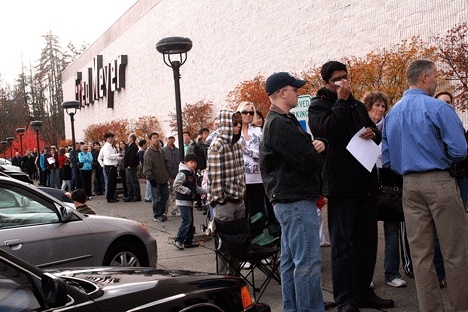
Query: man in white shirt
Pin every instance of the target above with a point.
(108, 158)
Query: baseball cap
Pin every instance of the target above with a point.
(281, 80)
(169, 135)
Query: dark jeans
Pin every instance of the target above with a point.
(133, 185)
(160, 194)
(86, 178)
(98, 182)
(111, 172)
(185, 233)
(352, 224)
(123, 177)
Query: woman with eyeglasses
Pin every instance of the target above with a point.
(86, 159)
(250, 143)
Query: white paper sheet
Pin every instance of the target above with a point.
(365, 151)
(51, 160)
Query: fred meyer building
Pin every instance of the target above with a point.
(123, 76)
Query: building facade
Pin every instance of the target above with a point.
(233, 41)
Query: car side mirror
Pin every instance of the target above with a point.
(54, 291)
(66, 213)
(24, 201)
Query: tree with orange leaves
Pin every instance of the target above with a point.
(385, 70)
(117, 127)
(145, 125)
(250, 91)
(453, 50)
(194, 117)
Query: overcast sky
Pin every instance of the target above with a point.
(24, 22)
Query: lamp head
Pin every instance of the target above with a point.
(36, 124)
(4, 143)
(70, 107)
(174, 45)
(20, 131)
(10, 139)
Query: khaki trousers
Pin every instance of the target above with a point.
(432, 202)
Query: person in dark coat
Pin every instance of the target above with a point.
(351, 190)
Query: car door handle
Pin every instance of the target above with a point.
(14, 244)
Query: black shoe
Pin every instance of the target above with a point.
(329, 305)
(112, 201)
(442, 283)
(128, 199)
(136, 200)
(375, 302)
(349, 307)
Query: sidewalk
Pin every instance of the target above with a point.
(203, 259)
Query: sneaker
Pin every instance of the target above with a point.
(246, 265)
(396, 282)
(177, 214)
(179, 245)
(159, 219)
(191, 245)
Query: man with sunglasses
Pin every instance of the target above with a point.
(290, 165)
(350, 189)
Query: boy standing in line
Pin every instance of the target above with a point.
(186, 188)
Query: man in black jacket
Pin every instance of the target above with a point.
(131, 162)
(290, 166)
(350, 188)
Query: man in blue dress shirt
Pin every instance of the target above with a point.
(422, 139)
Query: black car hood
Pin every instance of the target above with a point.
(146, 289)
(115, 280)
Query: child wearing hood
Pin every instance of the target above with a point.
(186, 187)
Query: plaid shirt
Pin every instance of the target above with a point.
(225, 165)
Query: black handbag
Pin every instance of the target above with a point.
(389, 199)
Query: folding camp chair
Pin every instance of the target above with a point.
(233, 246)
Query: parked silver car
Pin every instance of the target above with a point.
(42, 230)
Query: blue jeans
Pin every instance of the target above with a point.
(185, 233)
(300, 256)
(392, 250)
(160, 194)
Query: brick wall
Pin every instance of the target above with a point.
(235, 40)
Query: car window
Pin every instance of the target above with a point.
(21, 207)
(16, 291)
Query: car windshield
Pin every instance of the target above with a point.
(16, 291)
(19, 208)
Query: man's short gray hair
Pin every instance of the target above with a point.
(416, 69)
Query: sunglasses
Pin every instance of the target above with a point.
(251, 113)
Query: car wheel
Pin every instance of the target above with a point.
(123, 255)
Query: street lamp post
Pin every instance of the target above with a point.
(37, 124)
(70, 108)
(10, 140)
(20, 131)
(4, 144)
(169, 47)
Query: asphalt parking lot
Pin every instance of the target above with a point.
(203, 259)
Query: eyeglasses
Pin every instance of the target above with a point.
(251, 113)
(339, 78)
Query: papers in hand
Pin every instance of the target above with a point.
(51, 160)
(365, 151)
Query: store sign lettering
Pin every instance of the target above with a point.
(102, 81)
